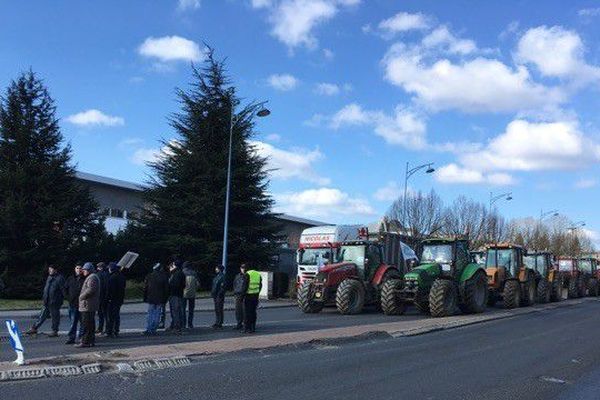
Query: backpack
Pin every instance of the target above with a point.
(191, 287)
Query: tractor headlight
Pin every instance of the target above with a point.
(446, 267)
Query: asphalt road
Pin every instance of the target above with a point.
(547, 355)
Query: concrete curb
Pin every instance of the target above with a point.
(146, 358)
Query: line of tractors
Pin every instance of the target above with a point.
(444, 278)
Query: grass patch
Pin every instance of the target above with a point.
(13, 304)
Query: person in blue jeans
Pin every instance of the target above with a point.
(72, 291)
(156, 293)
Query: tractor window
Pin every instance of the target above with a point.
(440, 253)
(542, 264)
(585, 265)
(565, 265)
(317, 257)
(462, 254)
(374, 256)
(504, 257)
(352, 254)
(529, 261)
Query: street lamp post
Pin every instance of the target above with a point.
(410, 172)
(493, 199)
(263, 112)
(575, 226)
(544, 215)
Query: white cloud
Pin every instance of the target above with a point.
(323, 203)
(586, 183)
(390, 192)
(288, 164)
(529, 146)
(273, 137)
(589, 12)
(95, 117)
(556, 52)
(593, 235)
(293, 21)
(183, 5)
(283, 82)
(442, 38)
(454, 174)
(171, 48)
(328, 54)
(404, 127)
(477, 85)
(144, 156)
(403, 22)
(327, 89)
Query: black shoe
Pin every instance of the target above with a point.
(70, 341)
(217, 326)
(238, 327)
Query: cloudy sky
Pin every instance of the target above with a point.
(502, 96)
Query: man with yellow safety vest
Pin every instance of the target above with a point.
(251, 300)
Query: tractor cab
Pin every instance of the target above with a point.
(508, 276)
(478, 257)
(588, 266)
(549, 280)
(568, 266)
(505, 260)
(367, 256)
(450, 254)
(541, 263)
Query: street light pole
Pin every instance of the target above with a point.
(543, 215)
(408, 173)
(493, 199)
(575, 226)
(263, 112)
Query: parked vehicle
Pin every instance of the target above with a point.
(573, 281)
(588, 268)
(549, 279)
(356, 273)
(445, 278)
(509, 278)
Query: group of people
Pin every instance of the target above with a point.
(92, 289)
(178, 287)
(99, 291)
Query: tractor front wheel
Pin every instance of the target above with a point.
(475, 294)
(557, 289)
(511, 296)
(306, 300)
(593, 287)
(350, 297)
(543, 291)
(443, 298)
(528, 294)
(422, 300)
(391, 304)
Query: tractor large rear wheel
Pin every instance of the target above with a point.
(582, 287)
(350, 297)
(573, 291)
(475, 294)
(511, 296)
(391, 304)
(443, 298)
(306, 300)
(593, 287)
(529, 293)
(543, 291)
(557, 289)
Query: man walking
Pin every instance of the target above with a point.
(240, 287)
(218, 294)
(72, 292)
(176, 287)
(156, 293)
(52, 299)
(89, 302)
(251, 300)
(189, 294)
(115, 297)
(103, 275)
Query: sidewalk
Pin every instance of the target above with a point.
(202, 305)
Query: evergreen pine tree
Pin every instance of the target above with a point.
(44, 212)
(186, 195)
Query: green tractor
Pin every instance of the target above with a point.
(445, 278)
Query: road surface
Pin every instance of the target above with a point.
(547, 355)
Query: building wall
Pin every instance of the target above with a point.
(118, 204)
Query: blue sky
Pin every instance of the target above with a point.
(502, 96)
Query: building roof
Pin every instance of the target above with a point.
(299, 220)
(84, 176)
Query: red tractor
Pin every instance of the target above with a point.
(356, 274)
(574, 279)
(588, 268)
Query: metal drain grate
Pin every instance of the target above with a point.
(91, 368)
(65, 370)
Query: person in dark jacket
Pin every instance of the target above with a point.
(156, 294)
(176, 288)
(52, 297)
(240, 286)
(72, 291)
(218, 294)
(115, 296)
(103, 275)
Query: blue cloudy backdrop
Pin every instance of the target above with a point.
(502, 96)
